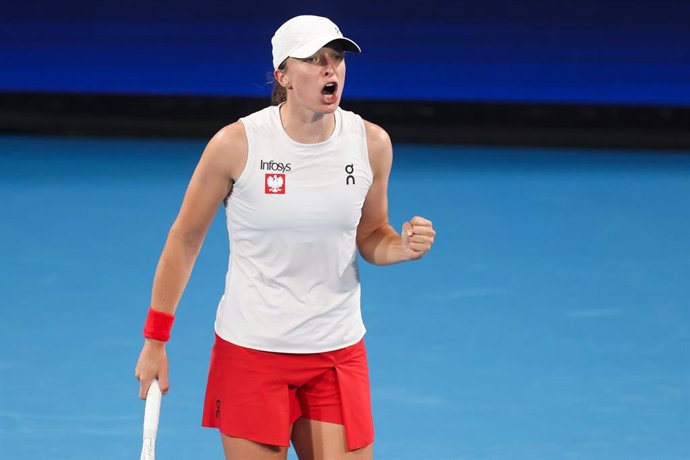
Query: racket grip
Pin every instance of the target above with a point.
(148, 450)
(152, 410)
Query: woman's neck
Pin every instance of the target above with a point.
(306, 127)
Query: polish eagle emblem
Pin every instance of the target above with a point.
(274, 183)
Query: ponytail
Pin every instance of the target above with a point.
(279, 94)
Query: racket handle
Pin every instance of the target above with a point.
(152, 410)
(148, 450)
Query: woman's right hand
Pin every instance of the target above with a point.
(152, 364)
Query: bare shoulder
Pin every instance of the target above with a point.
(377, 137)
(379, 146)
(230, 139)
(227, 149)
(232, 132)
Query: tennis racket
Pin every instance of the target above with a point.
(151, 414)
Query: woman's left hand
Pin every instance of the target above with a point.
(417, 237)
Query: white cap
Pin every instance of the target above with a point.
(302, 36)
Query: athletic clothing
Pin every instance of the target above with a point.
(293, 284)
(289, 326)
(258, 395)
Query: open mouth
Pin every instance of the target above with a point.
(329, 89)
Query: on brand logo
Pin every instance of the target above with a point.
(350, 179)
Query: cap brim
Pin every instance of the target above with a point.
(311, 47)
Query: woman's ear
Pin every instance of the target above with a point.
(282, 78)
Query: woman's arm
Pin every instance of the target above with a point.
(221, 163)
(377, 241)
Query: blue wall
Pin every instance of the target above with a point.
(600, 52)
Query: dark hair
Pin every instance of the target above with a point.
(279, 94)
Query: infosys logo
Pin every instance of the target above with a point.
(274, 166)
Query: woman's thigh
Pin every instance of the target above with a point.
(314, 440)
(243, 449)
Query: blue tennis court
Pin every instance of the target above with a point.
(550, 321)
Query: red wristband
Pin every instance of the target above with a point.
(158, 325)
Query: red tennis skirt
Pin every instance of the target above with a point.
(258, 395)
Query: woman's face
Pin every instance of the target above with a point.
(316, 82)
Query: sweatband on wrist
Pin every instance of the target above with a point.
(158, 325)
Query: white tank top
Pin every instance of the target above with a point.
(292, 284)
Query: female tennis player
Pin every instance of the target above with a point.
(304, 184)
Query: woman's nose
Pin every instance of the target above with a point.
(328, 66)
